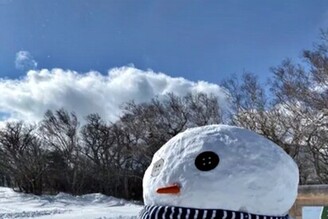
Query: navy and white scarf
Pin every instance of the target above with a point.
(171, 212)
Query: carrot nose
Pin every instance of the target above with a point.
(174, 189)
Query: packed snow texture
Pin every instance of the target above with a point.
(253, 175)
(65, 206)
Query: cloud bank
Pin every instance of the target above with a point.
(25, 61)
(29, 97)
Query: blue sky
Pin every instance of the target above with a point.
(197, 40)
(140, 49)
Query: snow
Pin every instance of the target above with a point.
(91, 206)
(311, 212)
(253, 174)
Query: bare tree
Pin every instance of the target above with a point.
(296, 117)
(153, 124)
(59, 131)
(98, 143)
(22, 157)
(273, 119)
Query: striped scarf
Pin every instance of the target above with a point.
(171, 212)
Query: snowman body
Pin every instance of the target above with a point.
(222, 167)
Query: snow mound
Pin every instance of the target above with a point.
(65, 206)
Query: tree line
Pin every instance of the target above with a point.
(61, 155)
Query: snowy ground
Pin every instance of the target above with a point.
(313, 212)
(92, 206)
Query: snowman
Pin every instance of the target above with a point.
(222, 172)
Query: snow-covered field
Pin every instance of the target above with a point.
(91, 206)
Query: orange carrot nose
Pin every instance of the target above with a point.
(175, 189)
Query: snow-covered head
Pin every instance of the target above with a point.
(222, 167)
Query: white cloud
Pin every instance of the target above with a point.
(28, 98)
(25, 61)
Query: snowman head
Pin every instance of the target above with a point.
(222, 167)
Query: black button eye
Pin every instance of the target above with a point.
(207, 160)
